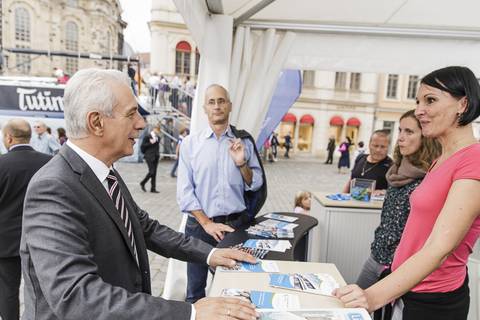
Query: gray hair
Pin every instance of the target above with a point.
(89, 90)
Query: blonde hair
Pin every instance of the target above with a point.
(299, 196)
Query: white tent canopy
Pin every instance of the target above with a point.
(396, 36)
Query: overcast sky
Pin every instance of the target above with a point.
(137, 14)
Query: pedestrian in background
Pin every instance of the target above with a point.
(16, 169)
(42, 141)
(183, 133)
(287, 144)
(330, 149)
(274, 145)
(151, 154)
(344, 149)
(62, 136)
(359, 151)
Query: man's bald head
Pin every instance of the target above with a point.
(216, 87)
(16, 131)
(217, 105)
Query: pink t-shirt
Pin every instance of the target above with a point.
(426, 203)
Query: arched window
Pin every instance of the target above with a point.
(22, 25)
(71, 44)
(22, 39)
(182, 57)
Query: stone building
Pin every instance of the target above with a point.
(173, 50)
(77, 26)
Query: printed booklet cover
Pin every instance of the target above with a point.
(270, 223)
(315, 314)
(265, 299)
(270, 232)
(262, 266)
(281, 217)
(271, 245)
(316, 283)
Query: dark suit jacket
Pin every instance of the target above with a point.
(76, 258)
(152, 150)
(16, 169)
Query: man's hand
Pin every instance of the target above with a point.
(216, 230)
(229, 257)
(225, 309)
(237, 151)
(353, 296)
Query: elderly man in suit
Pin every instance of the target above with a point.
(16, 169)
(85, 240)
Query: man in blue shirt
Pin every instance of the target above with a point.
(215, 169)
(43, 141)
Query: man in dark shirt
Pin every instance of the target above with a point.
(373, 166)
(16, 169)
(151, 154)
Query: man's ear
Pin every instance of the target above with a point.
(8, 140)
(95, 123)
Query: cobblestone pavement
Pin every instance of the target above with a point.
(285, 177)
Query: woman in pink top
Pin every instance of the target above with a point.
(429, 266)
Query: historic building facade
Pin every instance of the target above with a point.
(173, 50)
(76, 26)
(332, 104)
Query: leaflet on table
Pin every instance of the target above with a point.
(315, 314)
(280, 217)
(278, 224)
(267, 232)
(265, 299)
(317, 283)
(271, 245)
(262, 266)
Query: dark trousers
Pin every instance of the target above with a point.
(152, 173)
(10, 274)
(197, 272)
(330, 157)
(452, 305)
(274, 151)
(287, 149)
(173, 173)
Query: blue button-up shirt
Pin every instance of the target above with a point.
(45, 143)
(208, 178)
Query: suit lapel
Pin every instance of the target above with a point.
(95, 187)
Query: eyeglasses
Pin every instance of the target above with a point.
(219, 101)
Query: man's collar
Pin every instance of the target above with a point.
(19, 145)
(98, 167)
(209, 132)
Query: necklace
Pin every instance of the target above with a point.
(366, 171)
